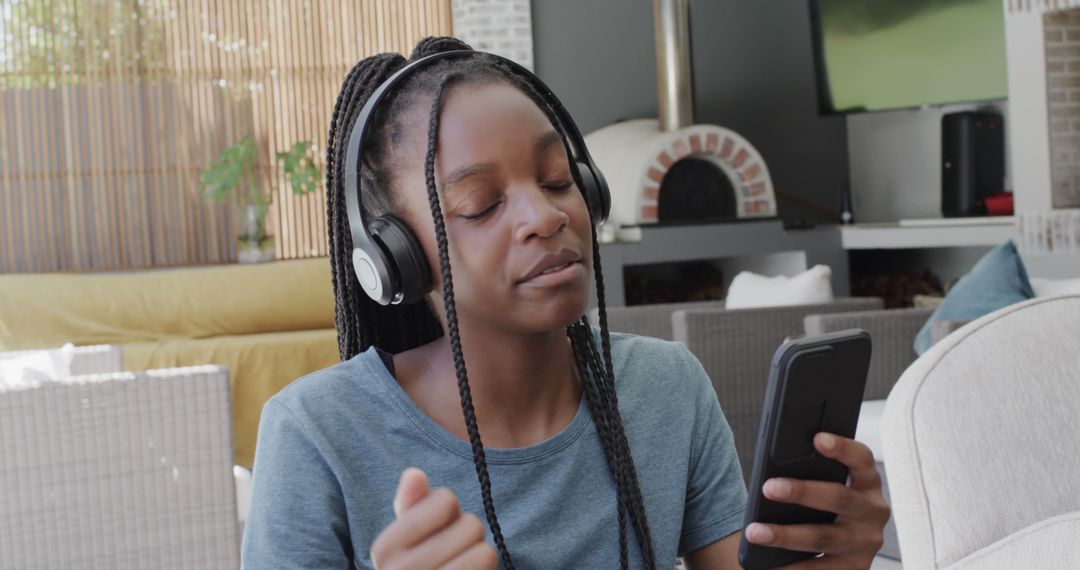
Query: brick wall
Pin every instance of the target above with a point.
(503, 27)
(1062, 31)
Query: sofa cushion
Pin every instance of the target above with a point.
(750, 290)
(997, 280)
(39, 310)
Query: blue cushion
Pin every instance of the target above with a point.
(997, 280)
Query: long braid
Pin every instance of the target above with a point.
(641, 523)
(579, 333)
(355, 331)
(623, 481)
(628, 488)
(479, 458)
(626, 474)
(361, 322)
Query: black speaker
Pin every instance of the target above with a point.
(972, 161)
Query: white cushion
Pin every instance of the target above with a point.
(242, 478)
(750, 290)
(33, 368)
(1053, 287)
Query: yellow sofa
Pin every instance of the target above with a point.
(267, 323)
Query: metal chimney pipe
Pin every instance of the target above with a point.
(674, 86)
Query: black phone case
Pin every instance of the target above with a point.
(815, 384)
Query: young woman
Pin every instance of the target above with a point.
(598, 449)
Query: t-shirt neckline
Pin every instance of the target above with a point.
(439, 435)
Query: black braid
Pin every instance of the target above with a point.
(579, 334)
(479, 457)
(362, 323)
(641, 523)
(626, 474)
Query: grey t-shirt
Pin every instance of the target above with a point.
(333, 444)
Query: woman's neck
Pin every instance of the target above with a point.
(524, 386)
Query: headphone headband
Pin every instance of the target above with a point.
(378, 274)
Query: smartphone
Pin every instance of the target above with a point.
(815, 384)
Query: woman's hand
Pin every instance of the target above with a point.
(856, 535)
(431, 531)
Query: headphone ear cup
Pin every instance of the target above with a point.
(594, 186)
(411, 276)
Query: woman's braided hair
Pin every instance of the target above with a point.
(363, 323)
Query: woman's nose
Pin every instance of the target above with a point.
(538, 215)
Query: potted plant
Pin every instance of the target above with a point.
(233, 173)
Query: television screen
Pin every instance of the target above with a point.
(890, 54)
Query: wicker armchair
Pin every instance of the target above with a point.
(123, 470)
(892, 332)
(736, 347)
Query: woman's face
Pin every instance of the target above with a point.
(519, 232)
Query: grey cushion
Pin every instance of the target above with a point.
(648, 320)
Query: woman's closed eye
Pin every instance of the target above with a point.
(481, 212)
(475, 213)
(558, 185)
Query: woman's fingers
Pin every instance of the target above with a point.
(856, 456)
(829, 563)
(416, 524)
(464, 533)
(856, 535)
(430, 531)
(412, 487)
(479, 557)
(827, 538)
(835, 498)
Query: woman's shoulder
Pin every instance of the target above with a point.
(631, 348)
(346, 384)
(654, 364)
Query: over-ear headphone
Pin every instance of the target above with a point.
(387, 258)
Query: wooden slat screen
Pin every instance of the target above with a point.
(111, 109)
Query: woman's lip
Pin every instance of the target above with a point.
(560, 277)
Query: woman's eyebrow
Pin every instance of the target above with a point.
(546, 140)
(459, 175)
(464, 172)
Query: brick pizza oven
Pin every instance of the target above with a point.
(672, 171)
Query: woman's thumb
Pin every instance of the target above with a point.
(412, 488)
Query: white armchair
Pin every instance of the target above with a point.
(982, 443)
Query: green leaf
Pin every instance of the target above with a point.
(235, 162)
(299, 168)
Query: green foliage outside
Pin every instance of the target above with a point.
(299, 167)
(233, 173)
(71, 41)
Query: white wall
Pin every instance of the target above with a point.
(1030, 141)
